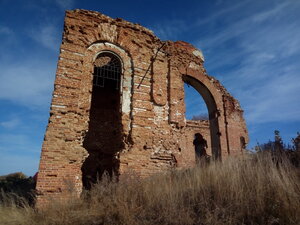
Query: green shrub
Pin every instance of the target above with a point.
(19, 187)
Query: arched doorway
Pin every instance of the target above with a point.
(195, 107)
(212, 113)
(103, 140)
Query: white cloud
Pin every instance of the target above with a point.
(249, 25)
(29, 84)
(43, 4)
(172, 28)
(65, 4)
(271, 13)
(10, 124)
(222, 13)
(275, 100)
(5, 30)
(169, 30)
(47, 35)
(11, 163)
(259, 62)
(254, 51)
(20, 143)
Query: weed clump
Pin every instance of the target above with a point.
(243, 190)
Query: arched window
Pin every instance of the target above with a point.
(107, 69)
(103, 140)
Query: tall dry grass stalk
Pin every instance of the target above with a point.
(237, 191)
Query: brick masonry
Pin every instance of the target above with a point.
(149, 132)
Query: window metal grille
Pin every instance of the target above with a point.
(107, 67)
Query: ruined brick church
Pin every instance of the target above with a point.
(118, 106)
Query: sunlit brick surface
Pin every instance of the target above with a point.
(155, 136)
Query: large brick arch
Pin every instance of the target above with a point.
(213, 111)
(228, 116)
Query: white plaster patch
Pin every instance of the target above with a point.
(126, 102)
(139, 69)
(104, 46)
(142, 85)
(58, 106)
(115, 47)
(195, 66)
(135, 109)
(134, 126)
(76, 53)
(199, 54)
(161, 114)
(178, 113)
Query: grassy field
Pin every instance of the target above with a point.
(247, 190)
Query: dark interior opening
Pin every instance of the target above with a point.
(103, 140)
(243, 143)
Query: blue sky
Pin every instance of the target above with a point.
(251, 46)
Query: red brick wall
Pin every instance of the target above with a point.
(155, 135)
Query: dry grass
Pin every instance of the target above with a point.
(237, 191)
